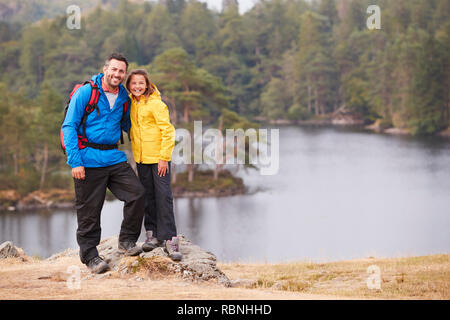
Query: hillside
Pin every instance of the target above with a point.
(29, 11)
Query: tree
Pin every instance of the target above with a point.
(428, 96)
(157, 33)
(46, 126)
(315, 65)
(195, 21)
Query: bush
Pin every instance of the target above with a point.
(298, 112)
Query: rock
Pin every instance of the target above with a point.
(9, 195)
(65, 253)
(200, 263)
(344, 117)
(197, 264)
(9, 199)
(279, 285)
(444, 133)
(103, 275)
(53, 198)
(155, 252)
(7, 250)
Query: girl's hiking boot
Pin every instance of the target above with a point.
(151, 242)
(173, 249)
(97, 265)
(129, 248)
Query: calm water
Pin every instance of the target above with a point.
(339, 194)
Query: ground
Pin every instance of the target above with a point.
(401, 278)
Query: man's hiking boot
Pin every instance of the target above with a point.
(97, 265)
(129, 248)
(151, 242)
(173, 249)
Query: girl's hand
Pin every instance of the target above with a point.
(163, 168)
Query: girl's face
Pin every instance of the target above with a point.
(137, 85)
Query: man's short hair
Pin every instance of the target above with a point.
(116, 56)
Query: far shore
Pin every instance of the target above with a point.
(42, 205)
(11, 200)
(344, 122)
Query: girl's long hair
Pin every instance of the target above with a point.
(150, 86)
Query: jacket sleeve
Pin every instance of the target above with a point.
(71, 124)
(161, 115)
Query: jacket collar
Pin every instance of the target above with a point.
(98, 80)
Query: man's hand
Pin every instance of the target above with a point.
(163, 168)
(78, 173)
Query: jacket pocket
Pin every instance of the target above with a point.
(151, 148)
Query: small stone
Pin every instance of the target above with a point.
(104, 275)
(7, 250)
(187, 273)
(278, 285)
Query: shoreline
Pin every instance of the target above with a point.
(343, 123)
(41, 204)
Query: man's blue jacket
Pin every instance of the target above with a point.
(101, 129)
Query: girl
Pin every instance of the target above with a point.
(152, 142)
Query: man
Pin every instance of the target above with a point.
(97, 164)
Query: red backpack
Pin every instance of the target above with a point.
(91, 106)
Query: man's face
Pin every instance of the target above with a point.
(115, 72)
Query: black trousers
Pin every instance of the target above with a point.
(159, 216)
(90, 196)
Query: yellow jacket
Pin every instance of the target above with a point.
(152, 134)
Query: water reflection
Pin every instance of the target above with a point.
(39, 233)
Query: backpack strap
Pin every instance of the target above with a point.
(92, 104)
(125, 109)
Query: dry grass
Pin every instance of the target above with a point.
(45, 280)
(403, 278)
(425, 277)
(154, 267)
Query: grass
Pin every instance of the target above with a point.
(155, 267)
(204, 182)
(426, 277)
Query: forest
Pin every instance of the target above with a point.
(282, 59)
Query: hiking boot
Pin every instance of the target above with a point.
(151, 242)
(97, 265)
(129, 248)
(173, 249)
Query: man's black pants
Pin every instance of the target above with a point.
(90, 195)
(159, 216)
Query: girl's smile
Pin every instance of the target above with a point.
(138, 86)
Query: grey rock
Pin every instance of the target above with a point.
(155, 252)
(103, 276)
(278, 285)
(65, 253)
(196, 265)
(135, 263)
(8, 250)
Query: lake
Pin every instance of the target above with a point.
(338, 194)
